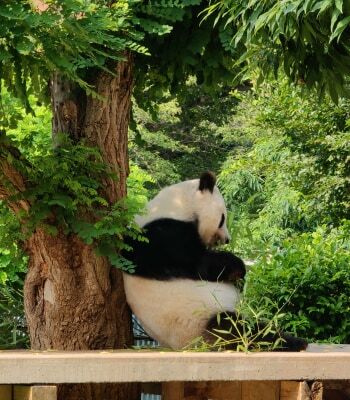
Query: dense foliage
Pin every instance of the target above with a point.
(306, 280)
(308, 39)
(291, 173)
(185, 138)
(192, 48)
(69, 36)
(72, 37)
(287, 189)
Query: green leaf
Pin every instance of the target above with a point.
(25, 46)
(341, 26)
(61, 200)
(334, 19)
(339, 5)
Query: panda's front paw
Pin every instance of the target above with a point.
(235, 268)
(221, 265)
(236, 274)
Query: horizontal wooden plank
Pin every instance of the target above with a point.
(30, 367)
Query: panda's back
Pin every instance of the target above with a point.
(175, 312)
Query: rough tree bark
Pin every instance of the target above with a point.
(75, 300)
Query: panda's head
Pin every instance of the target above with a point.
(197, 200)
(210, 211)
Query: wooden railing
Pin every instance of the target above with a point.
(184, 375)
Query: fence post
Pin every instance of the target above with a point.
(172, 391)
(5, 392)
(21, 392)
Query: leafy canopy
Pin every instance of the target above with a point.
(75, 36)
(193, 48)
(70, 36)
(308, 38)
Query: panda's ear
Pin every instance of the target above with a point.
(207, 181)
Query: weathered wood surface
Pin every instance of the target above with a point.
(328, 348)
(30, 367)
(261, 390)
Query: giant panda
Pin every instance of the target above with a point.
(181, 284)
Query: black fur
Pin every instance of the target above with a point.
(175, 250)
(229, 332)
(207, 181)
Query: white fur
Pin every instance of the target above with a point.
(185, 202)
(176, 312)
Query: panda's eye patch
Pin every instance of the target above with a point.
(222, 221)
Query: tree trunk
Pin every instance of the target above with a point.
(74, 300)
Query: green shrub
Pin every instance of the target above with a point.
(13, 329)
(307, 279)
(13, 264)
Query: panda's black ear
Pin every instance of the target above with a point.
(207, 181)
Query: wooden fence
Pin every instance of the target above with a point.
(323, 372)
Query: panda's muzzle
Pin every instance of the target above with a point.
(218, 239)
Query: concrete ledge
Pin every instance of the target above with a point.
(51, 367)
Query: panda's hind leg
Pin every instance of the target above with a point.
(228, 331)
